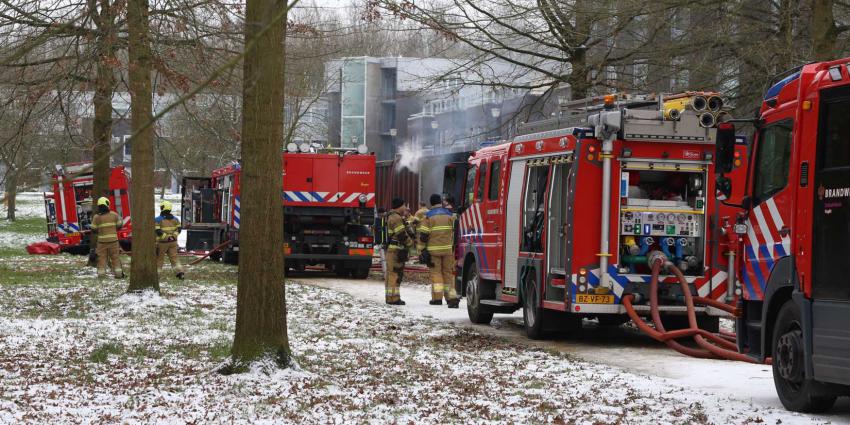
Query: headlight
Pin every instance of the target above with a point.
(305, 147)
(292, 148)
(363, 198)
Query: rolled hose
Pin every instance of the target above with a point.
(712, 346)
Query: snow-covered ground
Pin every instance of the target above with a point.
(77, 350)
(30, 209)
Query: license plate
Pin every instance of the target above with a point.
(594, 299)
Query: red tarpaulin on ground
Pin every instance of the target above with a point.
(39, 248)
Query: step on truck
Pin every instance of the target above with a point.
(69, 211)
(563, 222)
(328, 203)
(793, 232)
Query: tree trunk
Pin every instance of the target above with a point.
(261, 301)
(143, 273)
(11, 191)
(824, 31)
(104, 84)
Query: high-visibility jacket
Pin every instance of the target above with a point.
(397, 231)
(106, 226)
(437, 231)
(169, 227)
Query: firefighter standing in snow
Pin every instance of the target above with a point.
(167, 229)
(436, 234)
(106, 225)
(399, 241)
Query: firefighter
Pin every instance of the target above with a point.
(106, 225)
(436, 240)
(399, 241)
(420, 215)
(167, 228)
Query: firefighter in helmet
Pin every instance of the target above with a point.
(106, 225)
(399, 241)
(167, 228)
(436, 242)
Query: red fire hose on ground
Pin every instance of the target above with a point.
(711, 345)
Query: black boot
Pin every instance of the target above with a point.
(453, 303)
(399, 302)
(181, 275)
(436, 302)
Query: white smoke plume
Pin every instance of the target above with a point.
(409, 157)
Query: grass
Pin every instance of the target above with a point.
(102, 352)
(25, 225)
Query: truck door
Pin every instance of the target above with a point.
(767, 239)
(327, 178)
(557, 257)
(533, 225)
(831, 240)
(297, 177)
(454, 182)
(492, 213)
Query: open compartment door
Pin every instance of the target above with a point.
(454, 182)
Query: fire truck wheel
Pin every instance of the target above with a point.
(477, 312)
(797, 393)
(676, 322)
(361, 272)
(230, 257)
(532, 312)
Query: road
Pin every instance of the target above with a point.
(621, 347)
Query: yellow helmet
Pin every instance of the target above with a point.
(103, 201)
(165, 206)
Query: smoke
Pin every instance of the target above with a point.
(409, 157)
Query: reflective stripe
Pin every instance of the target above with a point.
(397, 229)
(442, 228)
(438, 247)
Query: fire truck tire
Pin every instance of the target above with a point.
(796, 393)
(477, 312)
(230, 257)
(532, 311)
(361, 272)
(675, 322)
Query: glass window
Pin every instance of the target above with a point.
(470, 185)
(479, 194)
(772, 160)
(533, 209)
(836, 149)
(495, 178)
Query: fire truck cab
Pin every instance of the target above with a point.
(328, 203)
(794, 232)
(562, 222)
(69, 207)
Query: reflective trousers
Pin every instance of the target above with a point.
(395, 273)
(108, 252)
(170, 249)
(443, 277)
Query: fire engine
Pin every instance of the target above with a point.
(69, 207)
(328, 202)
(568, 220)
(793, 236)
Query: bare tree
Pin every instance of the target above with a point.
(261, 301)
(143, 273)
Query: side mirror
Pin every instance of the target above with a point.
(724, 148)
(724, 186)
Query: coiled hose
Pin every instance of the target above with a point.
(711, 345)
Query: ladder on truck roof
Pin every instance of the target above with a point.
(643, 120)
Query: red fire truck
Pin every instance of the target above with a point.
(563, 222)
(794, 231)
(69, 207)
(328, 203)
